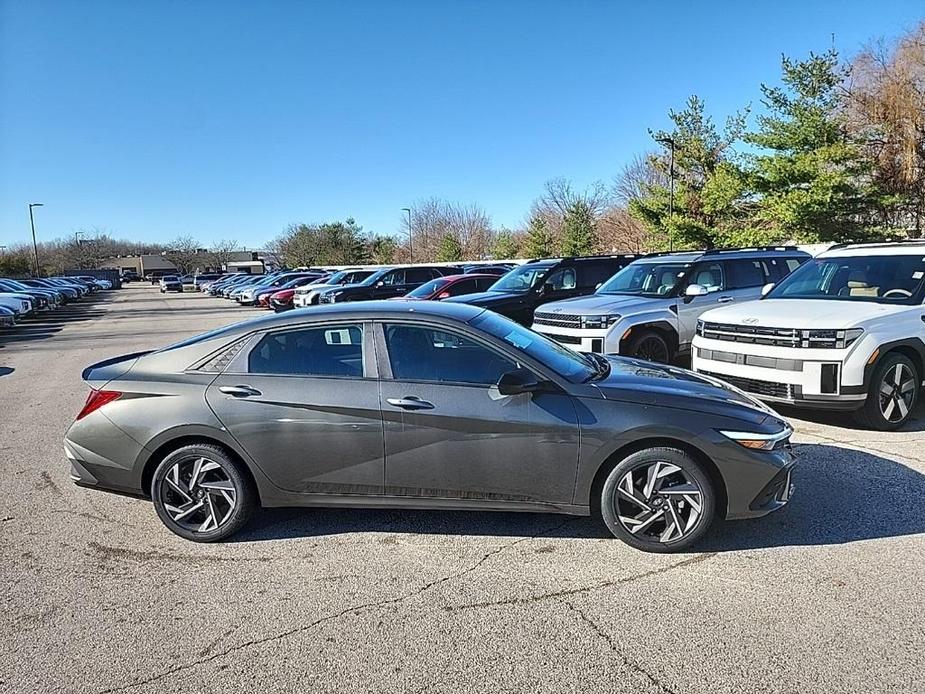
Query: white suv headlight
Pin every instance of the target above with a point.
(599, 322)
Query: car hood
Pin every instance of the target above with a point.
(597, 304)
(646, 382)
(802, 313)
(486, 299)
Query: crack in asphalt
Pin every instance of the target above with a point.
(635, 667)
(356, 610)
(568, 592)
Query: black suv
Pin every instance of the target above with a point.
(518, 293)
(386, 283)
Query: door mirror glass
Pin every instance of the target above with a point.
(695, 290)
(517, 382)
(766, 288)
(380, 283)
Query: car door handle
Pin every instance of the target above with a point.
(239, 391)
(410, 402)
(725, 299)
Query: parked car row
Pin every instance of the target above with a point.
(23, 298)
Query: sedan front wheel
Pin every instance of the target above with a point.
(658, 500)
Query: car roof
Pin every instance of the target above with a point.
(913, 247)
(724, 254)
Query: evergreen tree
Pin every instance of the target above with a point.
(449, 249)
(579, 233)
(505, 245)
(810, 183)
(538, 240)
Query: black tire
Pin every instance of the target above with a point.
(613, 502)
(238, 513)
(876, 413)
(650, 345)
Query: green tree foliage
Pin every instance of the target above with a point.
(382, 250)
(505, 245)
(449, 249)
(331, 243)
(810, 179)
(16, 262)
(538, 241)
(579, 234)
(710, 189)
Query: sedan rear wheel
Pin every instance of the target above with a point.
(658, 500)
(201, 494)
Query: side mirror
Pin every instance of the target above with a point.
(766, 288)
(517, 382)
(380, 283)
(443, 295)
(695, 290)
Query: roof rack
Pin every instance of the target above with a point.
(717, 251)
(873, 244)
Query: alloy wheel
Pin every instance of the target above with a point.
(897, 391)
(652, 349)
(658, 502)
(198, 494)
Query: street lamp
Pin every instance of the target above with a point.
(35, 246)
(669, 142)
(410, 236)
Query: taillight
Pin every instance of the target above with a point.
(96, 400)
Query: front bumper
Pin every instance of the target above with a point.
(828, 379)
(578, 339)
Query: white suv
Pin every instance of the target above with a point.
(844, 331)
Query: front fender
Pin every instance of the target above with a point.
(661, 319)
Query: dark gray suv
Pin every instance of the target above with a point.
(423, 405)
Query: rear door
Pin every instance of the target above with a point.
(746, 277)
(304, 403)
(449, 433)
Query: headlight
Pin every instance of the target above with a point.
(599, 322)
(761, 442)
(838, 339)
(699, 328)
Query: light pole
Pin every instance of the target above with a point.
(669, 142)
(410, 235)
(35, 246)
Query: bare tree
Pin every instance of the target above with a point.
(434, 219)
(183, 252)
(619, 232)
(638, 178)
(220, 253)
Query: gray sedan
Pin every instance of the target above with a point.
(423, 405)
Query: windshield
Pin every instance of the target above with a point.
(428, 288)
(885, 279)
(520, 279)
(568, 364)
(645, 279)
(373, 278)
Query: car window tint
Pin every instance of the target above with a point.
(483, 283)
(394, 277)
(593, 274)
(793, 264)
(461, 287)
(562, 279)
(431, 354)
(322, 351)
(419, 275)
(745, 274)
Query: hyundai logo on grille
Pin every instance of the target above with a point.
(750, 321)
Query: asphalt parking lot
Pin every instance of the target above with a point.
(99, 597)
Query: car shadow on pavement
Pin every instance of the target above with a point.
(841, 495)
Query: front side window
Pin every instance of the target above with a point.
(330, 350)
(393, 278)
(877, 278)
(645, 279)
(561, 280)
(422, 353)
(709, 275)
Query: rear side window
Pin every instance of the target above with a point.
(461, 287)
(419, 275)
(593, 274)
(746, 274)
(330, 350)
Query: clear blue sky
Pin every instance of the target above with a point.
(232, 119)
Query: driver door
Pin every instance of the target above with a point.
(450, 434)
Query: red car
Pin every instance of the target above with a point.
(451, 285)
(281, 300)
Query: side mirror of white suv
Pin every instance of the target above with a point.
(766, 288)
(696, 290)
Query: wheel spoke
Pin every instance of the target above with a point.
(901, 404)
(186, 510)
(651, 477)
(888, 410)
(898, 374)
(178, 488)
(907, 386)
(886, 389)
(630, 493)
(644, 521)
